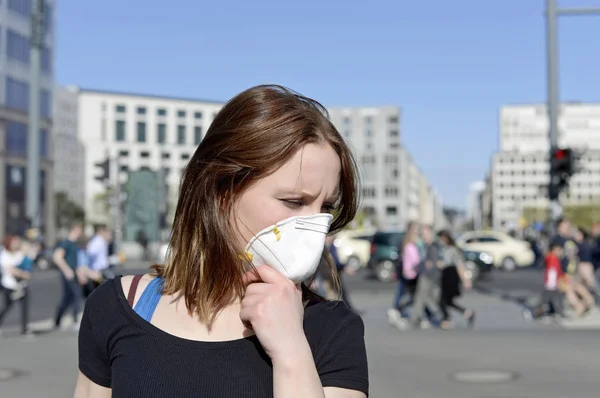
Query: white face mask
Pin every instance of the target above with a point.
(293, 246)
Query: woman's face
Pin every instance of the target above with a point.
(307, 184)
(578, 235)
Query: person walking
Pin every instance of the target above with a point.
(65, 257)
(452, 277)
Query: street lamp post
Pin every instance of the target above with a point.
(33, 133)
(552, 14)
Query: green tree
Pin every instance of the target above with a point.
(66, 211)
(581, 215)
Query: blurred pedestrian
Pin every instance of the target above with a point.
(452, 277)
(98, 255)
(407, 273)
(426, 297)
(552, 294)
(341, 270)
(65, 257)
(585, 268)
(14, 273)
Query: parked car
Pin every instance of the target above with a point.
(384, 256)
(354, 247)
(508, 252)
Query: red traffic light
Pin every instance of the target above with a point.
(560, 154)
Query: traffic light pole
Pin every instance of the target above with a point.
(552, 13)
(117, 204)
(33, 133)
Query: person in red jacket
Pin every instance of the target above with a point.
(553, 279)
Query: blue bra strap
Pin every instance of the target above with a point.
(146, 305)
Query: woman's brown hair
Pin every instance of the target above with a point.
(410, 235)
(253, 135)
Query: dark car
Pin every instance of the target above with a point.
(384, 256)
(477, 264)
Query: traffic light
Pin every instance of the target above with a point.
(104, 171)
(562, 163)
(562, 167)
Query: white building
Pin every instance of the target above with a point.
(520, 170)
(474, 204)
(69, 168)
(153, 132)
(15, 30)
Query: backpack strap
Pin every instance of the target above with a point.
(149, 300)
(133, 288)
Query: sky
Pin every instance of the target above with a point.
(448, 64)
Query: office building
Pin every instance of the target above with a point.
(15, 32)
(69, 152)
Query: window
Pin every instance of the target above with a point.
(123, 168)
(46, 60)
(141, 110)
(161, 112)
(393, 120)
(185, 156)
(120, 131)
(391, 191)
(17, 94)
(145, 168)
(45, 104)
(181, 135)
(144, 154)
(181, 114)
(123, 154)
(120, 109)
(141, 132)
(43, 143)
(16, 139)
(368, 120)
(17, 47)
(161, 133)
(197, 115)
(393, 133)
(197, 135)
(166, 155)
(47, 17)
(17, 97)
(21, 7)
(391, 210)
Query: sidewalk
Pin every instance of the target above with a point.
(48, 362)
(493, 313)
(422, 359)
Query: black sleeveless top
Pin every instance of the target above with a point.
(120, 350)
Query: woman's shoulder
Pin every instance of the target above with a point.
(326, 319)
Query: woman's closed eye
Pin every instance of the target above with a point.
(296, 204)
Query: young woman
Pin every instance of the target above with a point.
(229, 314)
(406, 270)
(453, 275)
